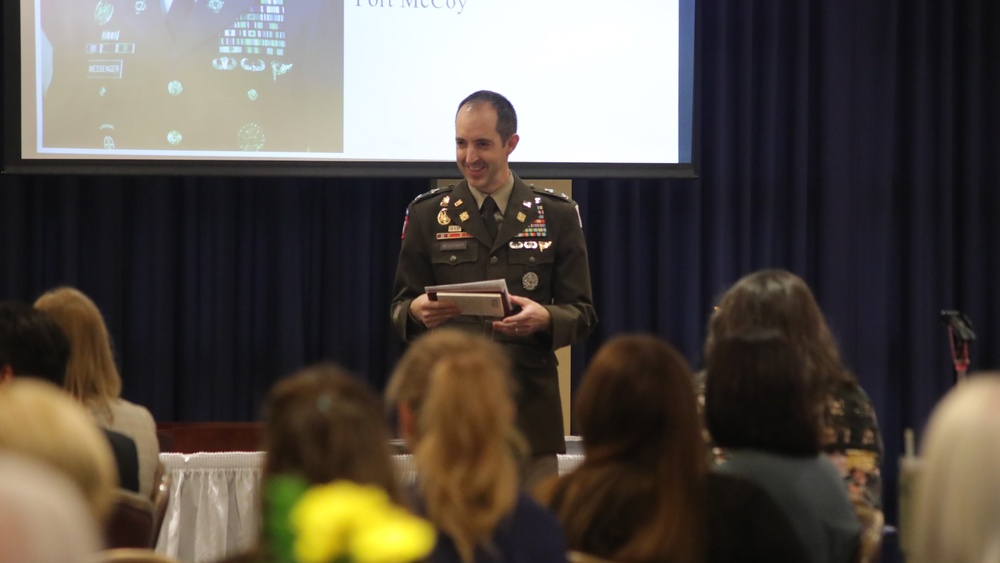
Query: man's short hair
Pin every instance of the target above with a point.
(31, 343)
(506, 116)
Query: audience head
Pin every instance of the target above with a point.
(40, 421)
(31, 344)
(639, 421)
(957, 502)
(779, 300)
(756, 395)
(91, 375)
(43, 517)
(637, 403)
(410, 383)
(323, 424)
(453, 390)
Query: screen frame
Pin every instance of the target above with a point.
(13, 163)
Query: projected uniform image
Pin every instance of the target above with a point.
(193, 75)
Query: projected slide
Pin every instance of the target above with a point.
(205, 75)
(355, 80)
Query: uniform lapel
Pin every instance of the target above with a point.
(461, 203)
(521, 211)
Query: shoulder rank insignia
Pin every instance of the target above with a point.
(429, 193)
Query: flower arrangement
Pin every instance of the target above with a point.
(341, 522)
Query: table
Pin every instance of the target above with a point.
(213, 508)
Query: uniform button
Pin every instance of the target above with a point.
(494, 260)
(531, 260)
(453, 258)
(175, 88)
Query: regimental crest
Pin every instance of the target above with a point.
(443, 218)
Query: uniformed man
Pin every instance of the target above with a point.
(201, 75)
(492, 225)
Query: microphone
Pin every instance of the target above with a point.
(960, 334)
(959, 324)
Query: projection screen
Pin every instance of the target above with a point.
(345, 86)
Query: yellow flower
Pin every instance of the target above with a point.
(398, 536)
(344, 519)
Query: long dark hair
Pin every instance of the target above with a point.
(645, 463)
(756, 396)
(781, 301)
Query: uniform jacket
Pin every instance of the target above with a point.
(541, 253)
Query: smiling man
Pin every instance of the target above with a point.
(492, 225)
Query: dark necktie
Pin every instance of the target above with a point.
(488, 211)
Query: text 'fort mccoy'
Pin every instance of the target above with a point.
(458, 6)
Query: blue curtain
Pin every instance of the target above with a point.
(851, 142)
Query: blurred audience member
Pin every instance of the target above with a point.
(33, 345)
(957, 500)
(43, 516)
(39, 421)
(759, 410)
(92, 376)
(324, 424)
(455, 409)
(327, 447)
(779, 300)
(643, 491)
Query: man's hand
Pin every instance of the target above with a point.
(433, 313)
(532, 318)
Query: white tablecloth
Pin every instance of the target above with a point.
(213, 506)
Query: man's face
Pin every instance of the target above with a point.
(480, 154)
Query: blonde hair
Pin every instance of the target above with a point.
(91, 374)
(39, 421)
(459, 386)
(957, 499)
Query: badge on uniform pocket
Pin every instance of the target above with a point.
(529, 281)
